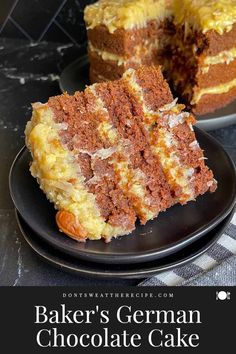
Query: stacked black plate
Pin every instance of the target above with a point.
(177, 236)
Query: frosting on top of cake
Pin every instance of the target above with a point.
(218, 15)
(125, 14)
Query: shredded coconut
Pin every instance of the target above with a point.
(168, 106)
(104, 153)
(194, 145)
(62, 126)
(176, 119)
(209, 183)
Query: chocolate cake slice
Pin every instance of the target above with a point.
(118, 152)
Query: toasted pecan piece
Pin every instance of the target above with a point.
(68, 224)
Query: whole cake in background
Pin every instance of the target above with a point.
(124, 34)
(118, 152)
(193, 40)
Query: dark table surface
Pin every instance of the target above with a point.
(29, 73)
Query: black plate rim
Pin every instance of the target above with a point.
(202, 121)
(146, 255)
(125, 274)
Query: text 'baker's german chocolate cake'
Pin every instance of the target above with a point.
(118, 152)
(193, 40)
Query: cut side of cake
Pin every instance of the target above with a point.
(193, 40)
(119, 152)
(203, 64)
(124, 34)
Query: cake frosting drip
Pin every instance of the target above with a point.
(206, 15)
(125, 14)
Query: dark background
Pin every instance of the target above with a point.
(44, 20)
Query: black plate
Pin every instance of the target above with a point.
(75, 77)
(170, 232)
(133, 271)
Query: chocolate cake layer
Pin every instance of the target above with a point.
(167, 131)
(199, 81)
(132, 180)
(113, 70)
(108, 70)
(110, 54)
(143, 52)
(81, 137)
(123, 42)
(151, 83)
(216, 43)
(190, 154)
(209, 103)
(127, 116)
(192, 70)
(224, 57)
(214, 75)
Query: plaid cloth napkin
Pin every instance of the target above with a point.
(215, 267)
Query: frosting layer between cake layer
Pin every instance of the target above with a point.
(206, 15)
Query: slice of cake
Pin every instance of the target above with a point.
(203, 64)
(124, 34)
(117, 152)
